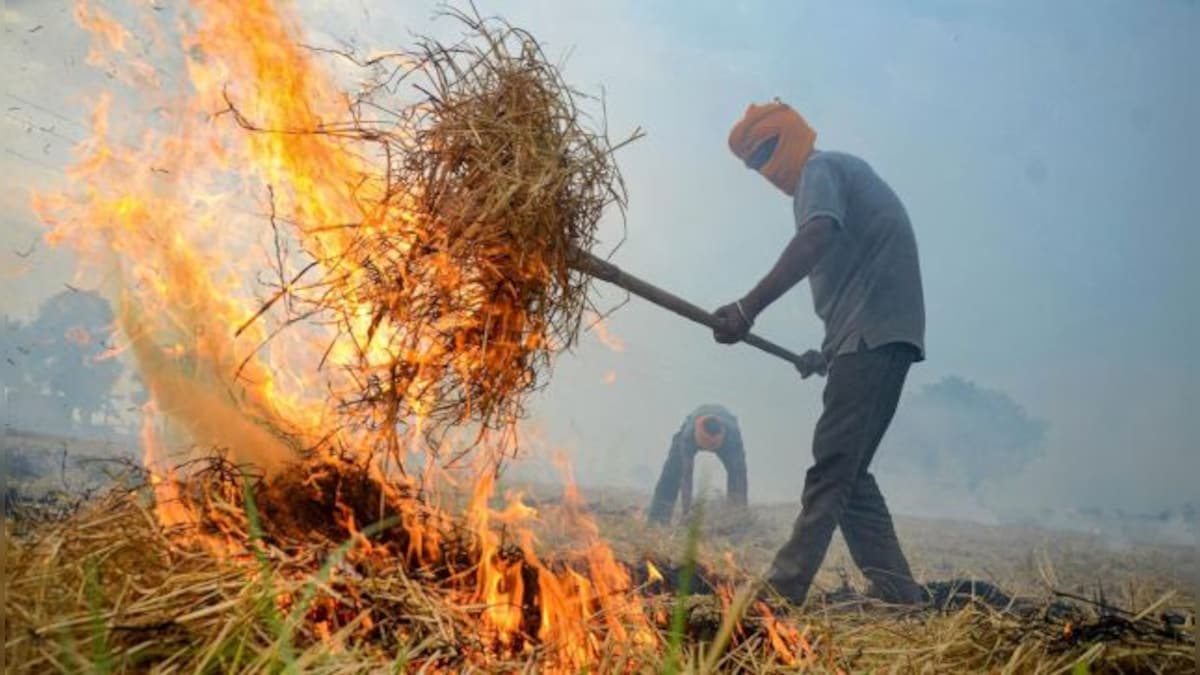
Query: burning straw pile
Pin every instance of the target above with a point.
(457, 288)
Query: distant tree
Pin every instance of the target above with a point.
(955, 426)
(53, 364)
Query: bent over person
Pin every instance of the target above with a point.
(710, 428)
(854, 243)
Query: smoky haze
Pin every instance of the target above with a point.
(1046, 153)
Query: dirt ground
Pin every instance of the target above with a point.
(1026, 561)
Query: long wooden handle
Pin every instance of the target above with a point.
(602, 269)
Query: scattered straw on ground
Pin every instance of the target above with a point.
(109, 588)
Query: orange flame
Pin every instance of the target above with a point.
(653, 572)
(790, 644)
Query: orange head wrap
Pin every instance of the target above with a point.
(705, 439)
(794, 142)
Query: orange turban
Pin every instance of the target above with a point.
(795, 142)
(709, 441)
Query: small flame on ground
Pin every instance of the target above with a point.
(653, 573)
(790, 644)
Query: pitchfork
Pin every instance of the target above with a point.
(808, 363)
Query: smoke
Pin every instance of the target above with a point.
(959, 431)
(955, 449)
(961, 450)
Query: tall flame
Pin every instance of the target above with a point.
(166, 213)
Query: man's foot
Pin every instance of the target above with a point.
(777, 594)
(898, 591)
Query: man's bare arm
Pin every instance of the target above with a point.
(797, 260)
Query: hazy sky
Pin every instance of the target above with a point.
(1047, 153)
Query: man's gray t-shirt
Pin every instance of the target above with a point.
(867, 285)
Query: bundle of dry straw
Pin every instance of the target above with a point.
(494, 176)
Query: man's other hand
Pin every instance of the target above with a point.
(812, 362)
(732, 325)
